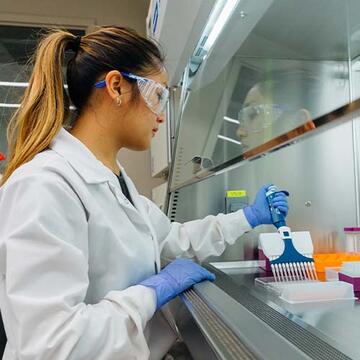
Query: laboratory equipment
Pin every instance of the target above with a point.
(350, 272)
(315, 291)
(304, 291)
(352, 239)
(291, 262)
(322, 261)
(305, 75)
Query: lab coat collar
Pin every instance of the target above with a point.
(81, 158)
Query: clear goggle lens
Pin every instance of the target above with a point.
(155, 95)
(259, 117)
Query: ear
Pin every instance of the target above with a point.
(114, 81)
(303, 115)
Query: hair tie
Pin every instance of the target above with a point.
(77, 42)
(74, 44)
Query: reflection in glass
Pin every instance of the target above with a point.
(276, 65)
(275, 106)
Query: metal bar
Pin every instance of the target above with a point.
(311, 127)
(235, 350)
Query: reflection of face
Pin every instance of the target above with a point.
(256, 118)
(261, 119)
(140, 124)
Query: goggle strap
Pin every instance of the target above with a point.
(100, 84)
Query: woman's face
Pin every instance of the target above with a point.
(137, 123)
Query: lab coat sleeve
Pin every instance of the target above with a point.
(200, 238)
(44, 259)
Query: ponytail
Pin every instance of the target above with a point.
(44, 106)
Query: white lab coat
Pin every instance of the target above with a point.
(72, 251)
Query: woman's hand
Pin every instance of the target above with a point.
(175, 278)
(259, 213)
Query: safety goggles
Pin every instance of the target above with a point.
(256, 118)
(154, 94)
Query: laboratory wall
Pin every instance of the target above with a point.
(108, 12)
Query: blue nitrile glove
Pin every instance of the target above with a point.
(175, 278)
(259, 213)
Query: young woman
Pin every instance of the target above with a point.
(79, 247)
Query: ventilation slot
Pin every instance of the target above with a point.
(174, 204)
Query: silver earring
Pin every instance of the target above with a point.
(118, 101)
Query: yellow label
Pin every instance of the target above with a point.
(236, 193)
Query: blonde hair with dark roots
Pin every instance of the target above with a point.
(45, 104)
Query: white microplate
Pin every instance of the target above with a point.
(315, 291)
(307, 291)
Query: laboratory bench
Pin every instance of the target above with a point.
(234, 318)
